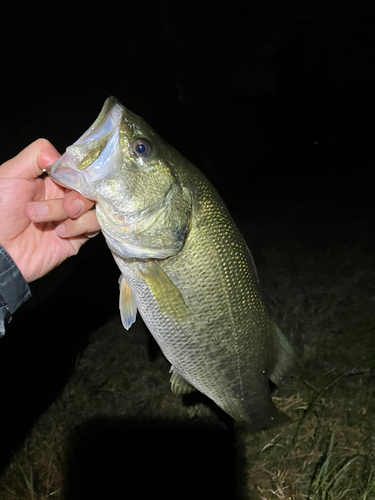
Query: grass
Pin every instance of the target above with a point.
(320, 288)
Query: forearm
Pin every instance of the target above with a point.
(14, 290)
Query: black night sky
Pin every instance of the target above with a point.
(279, 95)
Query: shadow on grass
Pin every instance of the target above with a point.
(118, 458)
(45, 338)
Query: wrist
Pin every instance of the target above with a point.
(14, 290)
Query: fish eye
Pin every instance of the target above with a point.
(141, 148)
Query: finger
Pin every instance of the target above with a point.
(49, 210)
(87, 224)
(31, 161)
(75, 204)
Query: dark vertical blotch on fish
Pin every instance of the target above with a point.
(180, 232)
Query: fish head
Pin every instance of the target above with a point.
(120, 162)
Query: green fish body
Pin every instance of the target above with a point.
(184, 264)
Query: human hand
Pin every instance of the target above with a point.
(41, 223)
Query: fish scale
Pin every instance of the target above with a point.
(186, 267)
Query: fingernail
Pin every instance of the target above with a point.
(78, 205)
(92, 235)
(38, 209)
(60, 230)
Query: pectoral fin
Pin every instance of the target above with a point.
(128, 307)
(166, 294)
(179, 385)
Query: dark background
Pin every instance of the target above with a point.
(273, 101)
(281, 92)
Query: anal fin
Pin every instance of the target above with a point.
(179, 385)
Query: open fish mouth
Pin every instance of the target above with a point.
(97, 155)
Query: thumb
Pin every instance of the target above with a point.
(31, 161)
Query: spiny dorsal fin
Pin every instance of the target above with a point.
(255, 271)
(286, 358)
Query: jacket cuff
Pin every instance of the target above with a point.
(14, 290)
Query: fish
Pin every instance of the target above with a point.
(185, 266)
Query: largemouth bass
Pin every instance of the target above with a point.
(184, 264)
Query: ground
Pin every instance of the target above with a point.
(115, 425)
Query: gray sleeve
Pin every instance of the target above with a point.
(14, 290)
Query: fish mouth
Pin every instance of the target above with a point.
(97, 155)
(69, 178)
